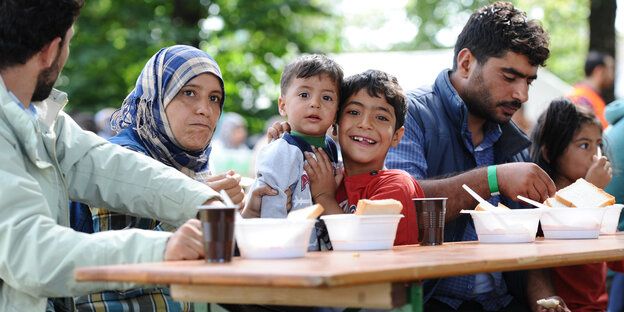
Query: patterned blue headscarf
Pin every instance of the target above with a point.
(143, 110)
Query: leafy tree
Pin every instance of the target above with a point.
(565, 20)
(251, 41)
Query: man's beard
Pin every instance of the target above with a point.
(479, 101)
(45, 81)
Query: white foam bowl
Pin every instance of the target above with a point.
(367, 232)
(269, 238)
(610, 219)
(506, 226)
(571, 223)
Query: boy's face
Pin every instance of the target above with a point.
(310, 104)
(366, 132)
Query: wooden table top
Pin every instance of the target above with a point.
(331, 269)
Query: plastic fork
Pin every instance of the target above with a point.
(480, 199)
(532, 202)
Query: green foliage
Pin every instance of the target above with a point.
(251, 41)
(437, 17)
(567, 23)
(564, 20)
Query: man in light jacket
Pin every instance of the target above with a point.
(46, 160)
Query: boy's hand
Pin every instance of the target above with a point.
(277, 129)
(186, 243)
(321, 174)
(230, 182)
(600, 172)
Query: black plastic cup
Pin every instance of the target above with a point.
(430, 214)
(218, 232)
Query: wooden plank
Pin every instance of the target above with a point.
(331, 269)
(380, 296)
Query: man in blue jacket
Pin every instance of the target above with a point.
(459, 131)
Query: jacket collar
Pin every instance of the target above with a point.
(48, 109)
(22, 125)
(454, 106)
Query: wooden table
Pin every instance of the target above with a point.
(373, 279)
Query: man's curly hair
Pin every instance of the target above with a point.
(498, 28)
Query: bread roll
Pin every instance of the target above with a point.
(310, 212)
(500, 207)
(376, 207)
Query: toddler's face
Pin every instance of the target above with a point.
(310, 104)
(577, 157)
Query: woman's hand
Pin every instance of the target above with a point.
(230, 182)
(600, 172)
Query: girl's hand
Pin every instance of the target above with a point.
(321, 174)
(600, 172)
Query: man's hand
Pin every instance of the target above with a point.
(230, 182)
(277, 129)
(186, 243)
(321, 174)
(526, 179)
(600, 172)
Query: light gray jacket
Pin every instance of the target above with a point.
(44, 164)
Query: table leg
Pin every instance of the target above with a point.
(416, 296)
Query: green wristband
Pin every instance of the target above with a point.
(492, 180)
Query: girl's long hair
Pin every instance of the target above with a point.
(554, 131)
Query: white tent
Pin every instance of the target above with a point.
(418, 68)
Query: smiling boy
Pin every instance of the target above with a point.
(310, 88)
(370, 120)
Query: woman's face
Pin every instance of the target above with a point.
(194, 111)
(577, 157)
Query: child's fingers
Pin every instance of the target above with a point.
(311, 167)
(322, 157)
(311, 161)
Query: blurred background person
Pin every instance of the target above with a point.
(599, 77)
(85, 121)
(614, 138)
(229, 151)
(103, 122)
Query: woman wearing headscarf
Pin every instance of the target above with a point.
(170, 116)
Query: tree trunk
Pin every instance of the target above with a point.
(602, 32)
(188, 13)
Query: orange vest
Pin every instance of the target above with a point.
(588, 95)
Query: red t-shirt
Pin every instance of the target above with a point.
(384, 184)
(583, 287)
